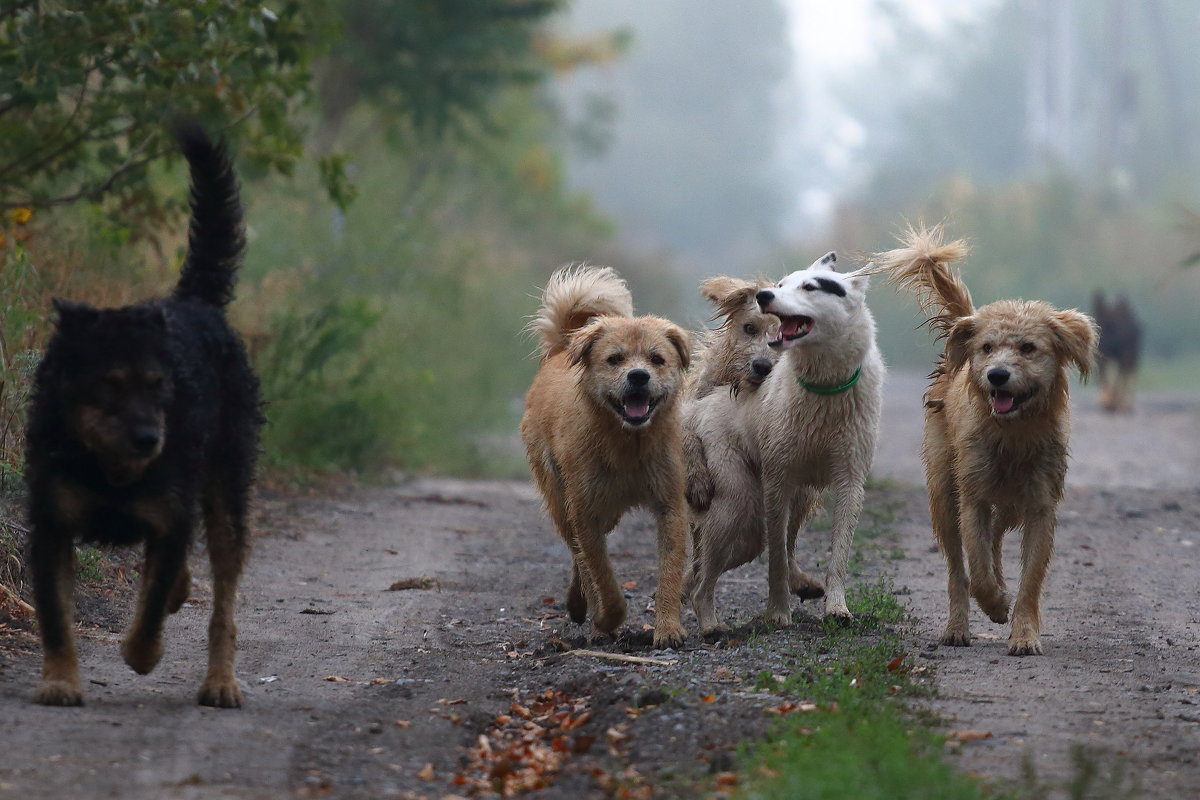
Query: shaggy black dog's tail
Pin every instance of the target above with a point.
(215, 235)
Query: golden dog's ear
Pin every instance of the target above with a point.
(958, 343)
(728, 294)
(1075, 338)
(679, 340)
(584, 340)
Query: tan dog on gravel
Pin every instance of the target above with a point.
(602, 434)
(996, 429)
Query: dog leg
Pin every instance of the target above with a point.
(225, 531)
(803, 585)
(672, 543)
(976, 526)
(165, 559)
(846, 511)
(577, 604)
(591, 556)
(1037, 546)
(180, 590)
(944, 514)
(52, 562)
(779, 606)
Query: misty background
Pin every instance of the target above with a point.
(753, 137)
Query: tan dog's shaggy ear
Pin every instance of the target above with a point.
(584, 340)
(679, 340)
(728, 294)
(1075, 337)
(958, 343)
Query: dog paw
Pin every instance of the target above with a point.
(777, 616)
(669, 636)
(142, 655)
(58, 693)
(837, 611)
(1025, 646)
(610, 617)
(994, 602)
(220, 693)
(956, 637)
(805, 586)
(576, 607)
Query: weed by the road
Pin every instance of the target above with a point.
(89, 564)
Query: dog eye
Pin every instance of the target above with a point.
(987, 348)
(657, 360)
(1027, 348)
(615, 358)
(750, 329)
(808, 287)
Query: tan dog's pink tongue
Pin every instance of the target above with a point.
(1002, 402)
(636, 407)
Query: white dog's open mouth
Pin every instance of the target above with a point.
(792, 328)
(635, 407)
(1004, 403)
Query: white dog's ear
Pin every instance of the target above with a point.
(958, 343)
(584, 340)
(679, 340)
(826, 261)
(1075, 338)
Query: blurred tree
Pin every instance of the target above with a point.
(85, 88)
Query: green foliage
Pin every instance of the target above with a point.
(84, 88)
(18, 358)
(90, 564)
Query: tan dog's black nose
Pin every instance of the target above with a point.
(638, 377)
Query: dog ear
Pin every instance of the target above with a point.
(1075, 337)
(729, 295)
(72, 315)
(584, 340)
(826, 261)
(679, 340)
(958, 343)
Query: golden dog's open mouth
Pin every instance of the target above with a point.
(1004, 403)
(635, 407)
(792, 328)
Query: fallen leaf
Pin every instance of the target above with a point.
(442, 701)
(646, 626)
(629, 585)
(615, 739)
(402, 723)
(426, 773)
(548, 600)
(968, 735)
(895, 663)
(726, 779)
(380, 681)
(337, 679)
(708, 698)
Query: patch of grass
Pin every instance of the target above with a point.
(90, 564)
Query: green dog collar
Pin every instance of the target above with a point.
(831, 389)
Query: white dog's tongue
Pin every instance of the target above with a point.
(789, 326)
(1002, 402)
(636, 407)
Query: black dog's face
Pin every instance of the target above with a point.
(117, 385)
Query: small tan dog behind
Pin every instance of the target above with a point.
(996, 430)
(602, 434)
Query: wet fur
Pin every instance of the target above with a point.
(988, 473)
(590, 464)
(141, 415)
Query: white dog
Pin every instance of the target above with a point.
(811, 426)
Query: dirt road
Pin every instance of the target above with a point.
(357, 691)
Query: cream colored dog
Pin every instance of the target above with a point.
(996, 429)
(602, 434)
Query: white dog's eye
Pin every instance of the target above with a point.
(750, 329)
(1028, 348)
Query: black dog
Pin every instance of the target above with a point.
(1120, 350)
(141, 416)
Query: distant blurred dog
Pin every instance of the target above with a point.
(722, 463)
(140, 415)
(996, 429)
(602, 434)
(1120, 351)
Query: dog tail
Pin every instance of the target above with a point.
(924, 265)
(574, 295)
(216, 237)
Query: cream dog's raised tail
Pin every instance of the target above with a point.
(574, 295)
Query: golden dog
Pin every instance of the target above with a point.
(602, 434)
(996, 429)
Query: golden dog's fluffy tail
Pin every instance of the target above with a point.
(574, 295)
(924, 265)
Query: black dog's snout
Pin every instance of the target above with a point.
(764, 298)
(761, 367)
(638, 377)
(998, 376)
(145, 439)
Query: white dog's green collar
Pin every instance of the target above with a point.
(815, 389)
